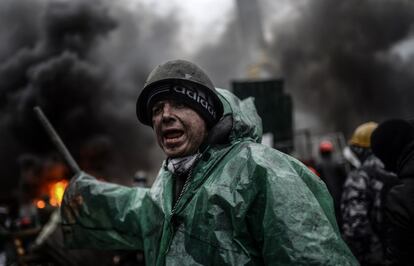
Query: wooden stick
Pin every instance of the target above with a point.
(57, 140)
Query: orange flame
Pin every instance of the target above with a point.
(56, 192)
(40, 204)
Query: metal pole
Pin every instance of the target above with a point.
(57, 140)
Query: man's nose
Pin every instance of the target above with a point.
(167, 112)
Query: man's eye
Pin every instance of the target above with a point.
(156, 110)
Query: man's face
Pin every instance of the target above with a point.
(179, 129)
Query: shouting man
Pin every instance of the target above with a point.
(221, 198)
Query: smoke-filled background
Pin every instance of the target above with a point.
(351, 60)
(84, 62)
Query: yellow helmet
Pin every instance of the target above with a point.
(362, 135)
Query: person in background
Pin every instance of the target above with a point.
(332, 171)
(363, 198)
(393, 143)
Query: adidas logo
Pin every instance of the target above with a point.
(193, 94)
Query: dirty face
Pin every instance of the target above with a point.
(179, 129)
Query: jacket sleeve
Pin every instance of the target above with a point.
(292, 217)
(101, 215)
(398, 228)
(355, 204)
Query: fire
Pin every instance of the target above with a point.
(56, 192)
(47, 179)
(40, 204)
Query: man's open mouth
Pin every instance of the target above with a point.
(172, 136)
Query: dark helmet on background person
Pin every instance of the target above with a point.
(183, 81)
(390, 140)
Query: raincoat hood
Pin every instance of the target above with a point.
(247, 124)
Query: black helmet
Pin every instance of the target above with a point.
(184, 81)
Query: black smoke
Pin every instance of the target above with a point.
(83, 63)
(339, 60)
(223, 60)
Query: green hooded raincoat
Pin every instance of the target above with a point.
(246, 204)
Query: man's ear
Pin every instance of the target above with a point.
(219, 133)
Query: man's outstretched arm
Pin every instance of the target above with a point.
(102, 215)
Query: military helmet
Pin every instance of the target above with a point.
(182, 80)
(362, 135)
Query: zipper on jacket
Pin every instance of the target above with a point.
(183, 190)
(173, 224)
(185, 186)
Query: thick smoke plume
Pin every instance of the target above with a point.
(83, 63)
(223, 60)
(340, 60)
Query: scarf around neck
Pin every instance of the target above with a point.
(181, 165)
